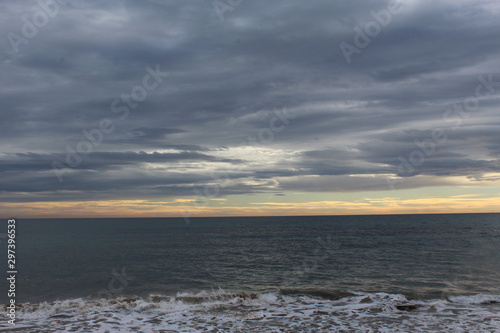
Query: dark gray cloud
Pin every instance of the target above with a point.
(226, 79)
(103, 160)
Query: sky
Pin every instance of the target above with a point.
(236, 107)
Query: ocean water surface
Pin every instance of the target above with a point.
(398, 273)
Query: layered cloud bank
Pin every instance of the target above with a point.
(168, 101)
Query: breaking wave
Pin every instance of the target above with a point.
(289, 310)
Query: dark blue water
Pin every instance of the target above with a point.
(422, 256)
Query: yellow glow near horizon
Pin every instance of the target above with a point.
(465, 203)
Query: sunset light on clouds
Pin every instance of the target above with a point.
(165, 108)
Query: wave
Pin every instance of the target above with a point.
(297, 310)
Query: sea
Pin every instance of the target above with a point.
(391, 273)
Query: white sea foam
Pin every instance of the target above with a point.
(222, 311)
(476, 299)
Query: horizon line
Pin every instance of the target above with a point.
(237, 216)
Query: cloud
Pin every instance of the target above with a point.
(351, 122)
